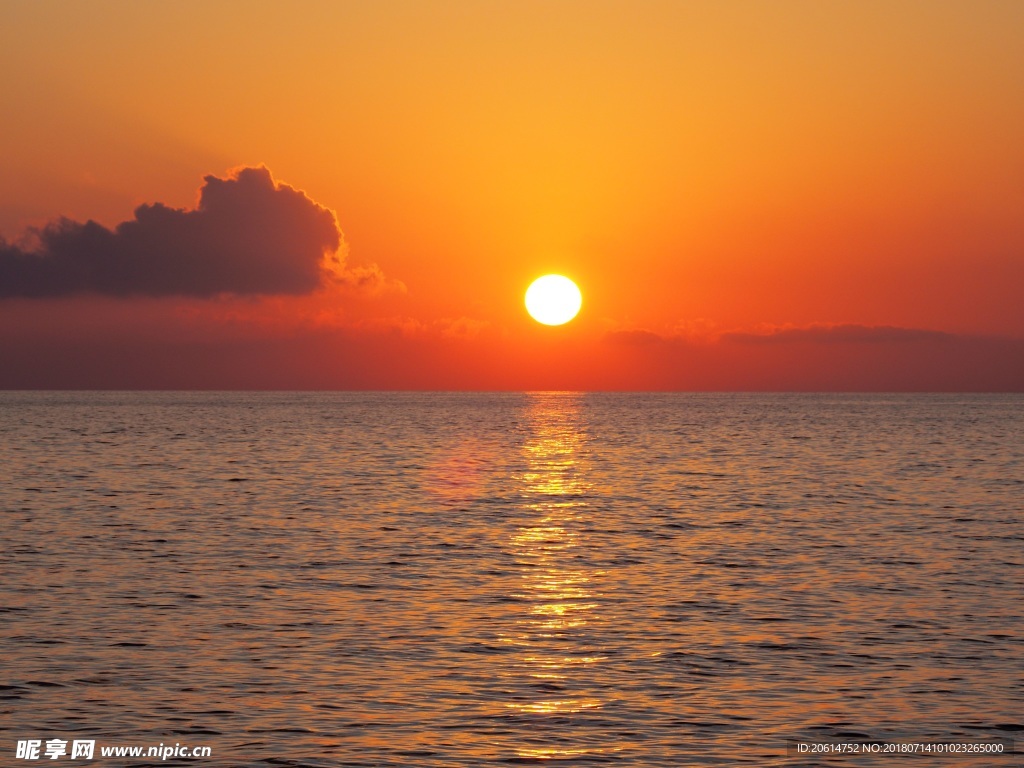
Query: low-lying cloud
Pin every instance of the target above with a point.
(839, 334)
(819, 333)
(249, 235)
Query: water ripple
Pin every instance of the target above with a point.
(442, 580)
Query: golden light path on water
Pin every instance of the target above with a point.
(557, 590)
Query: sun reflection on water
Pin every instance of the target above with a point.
(556, 588)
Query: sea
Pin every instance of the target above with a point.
(474, 579)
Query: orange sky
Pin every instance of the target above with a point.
(846, 179)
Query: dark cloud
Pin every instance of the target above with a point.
(839, 334)
(248, 235)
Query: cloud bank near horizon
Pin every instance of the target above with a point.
(817, 333)
(249, 235)
(845, 333)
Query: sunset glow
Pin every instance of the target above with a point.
(457, 383)
(759, 196)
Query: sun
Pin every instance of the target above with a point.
(553, 300)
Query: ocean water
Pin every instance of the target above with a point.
(359, 579)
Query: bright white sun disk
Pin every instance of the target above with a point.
(553, 300)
